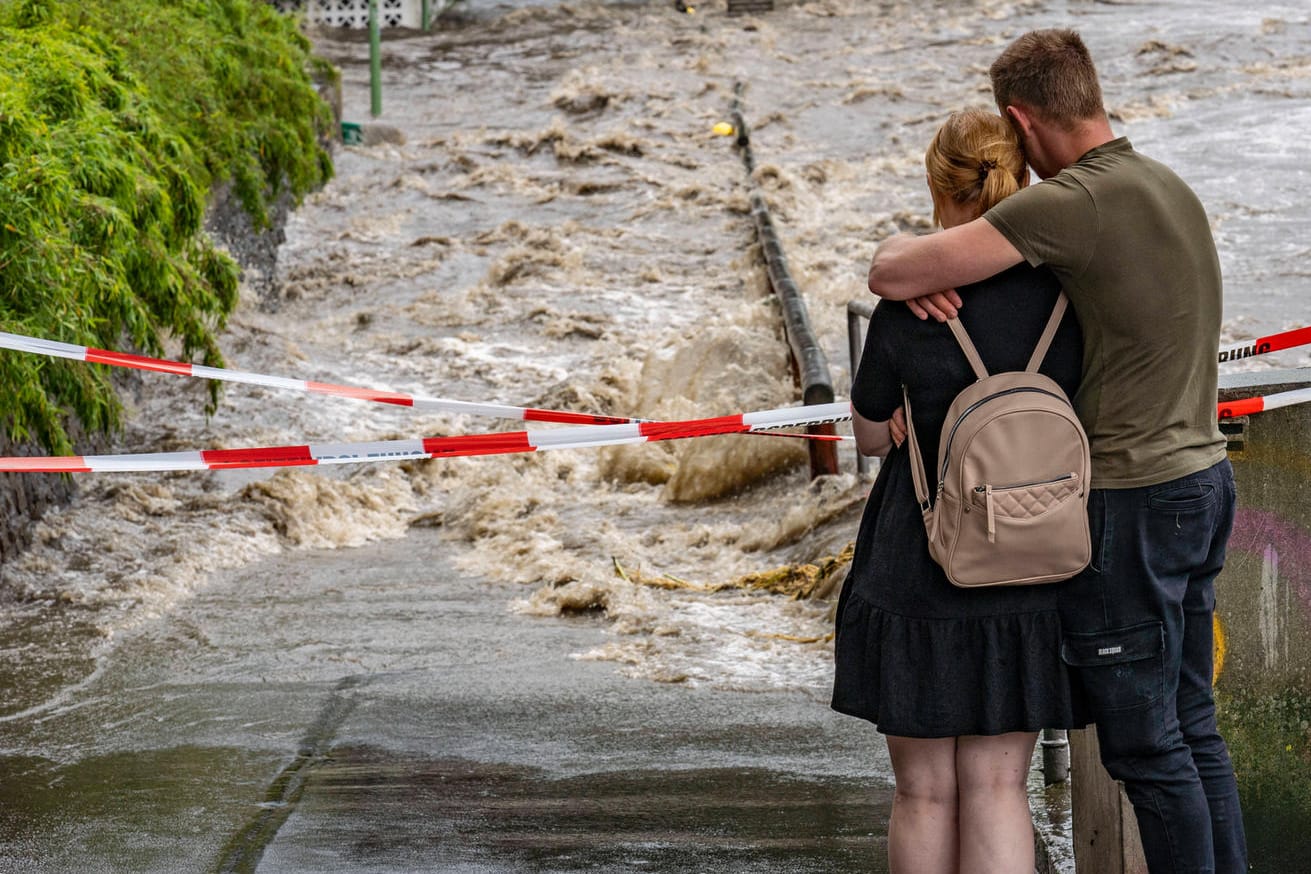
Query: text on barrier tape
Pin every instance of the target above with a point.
(1264, 345)
(1248, 406)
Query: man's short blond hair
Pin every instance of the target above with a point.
(1051, 73)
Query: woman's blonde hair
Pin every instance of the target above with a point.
(975, 158)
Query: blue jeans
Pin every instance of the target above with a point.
(1137, 628)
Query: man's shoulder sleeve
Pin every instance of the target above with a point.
(1053, 222)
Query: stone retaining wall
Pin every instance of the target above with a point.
(25, 497)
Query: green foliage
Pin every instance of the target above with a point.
(111, 137)
(233, 76)
(1269, 740)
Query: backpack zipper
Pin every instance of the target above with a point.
(1037, 482)
(946, 454)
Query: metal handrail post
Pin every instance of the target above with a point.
(375, 60)
(1055, 756)
(857, 310)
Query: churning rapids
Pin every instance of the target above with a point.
(561, 229)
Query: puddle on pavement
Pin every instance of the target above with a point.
(380, 812)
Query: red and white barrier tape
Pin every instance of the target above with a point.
(1248, 406)
(1273, 343)
(601, 430)
(54, 349)
(435, 447)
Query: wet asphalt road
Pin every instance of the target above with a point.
(336, 712)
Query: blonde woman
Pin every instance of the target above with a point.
(959, 681)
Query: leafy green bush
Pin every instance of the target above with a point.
(116, 119)
(234, 77)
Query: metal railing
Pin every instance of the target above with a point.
(808, 358)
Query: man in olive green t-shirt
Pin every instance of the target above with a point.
(1132, 248)
(1131, 244)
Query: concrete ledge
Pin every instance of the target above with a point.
(1245, 385)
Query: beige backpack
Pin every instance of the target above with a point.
(1013, 471)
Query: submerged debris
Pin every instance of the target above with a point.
(797, 581)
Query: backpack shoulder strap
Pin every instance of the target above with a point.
(917, 474)
(1045, 341)
(967, 346)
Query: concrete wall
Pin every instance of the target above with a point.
(24, 498)
(1263, 598)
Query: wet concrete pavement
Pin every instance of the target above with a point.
(336, 712)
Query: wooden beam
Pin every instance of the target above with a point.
(1105, 831)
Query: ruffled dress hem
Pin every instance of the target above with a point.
(948, 677)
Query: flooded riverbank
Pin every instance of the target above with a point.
(561, 229)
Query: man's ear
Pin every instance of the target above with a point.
(1021, 117)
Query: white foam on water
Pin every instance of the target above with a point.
(561, 228)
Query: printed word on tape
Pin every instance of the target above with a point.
(1264, 345)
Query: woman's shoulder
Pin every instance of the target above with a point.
(1016, 297)
(890, 321)
(891, 311)
(1019, 294)
(1021, 277)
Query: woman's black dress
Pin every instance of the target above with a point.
(914, 654)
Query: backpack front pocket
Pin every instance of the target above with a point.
(1025, 500)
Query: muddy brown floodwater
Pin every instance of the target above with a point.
(560, 228)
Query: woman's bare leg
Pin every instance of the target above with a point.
(922, 831)
(996, 829)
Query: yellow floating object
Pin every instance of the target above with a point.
(723, 129)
